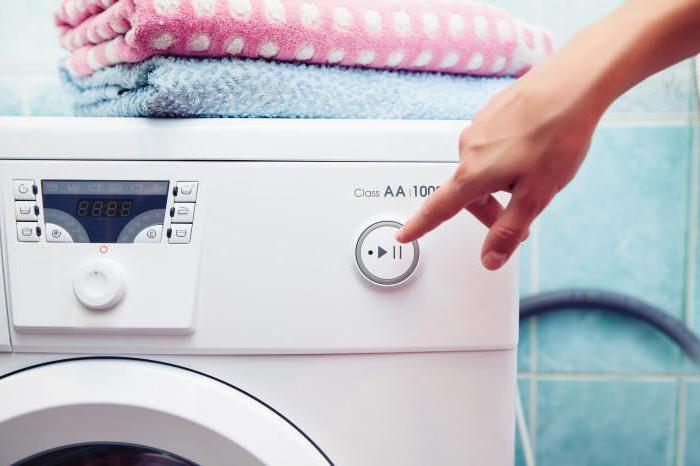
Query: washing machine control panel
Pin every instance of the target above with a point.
(104, 211)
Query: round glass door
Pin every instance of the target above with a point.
(129, 412)
(105, 454)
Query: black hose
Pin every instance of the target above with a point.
(619, 304)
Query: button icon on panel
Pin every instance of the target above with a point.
(180, 233)
(183, 212)
(381, 259)
(150, 234)
(26, 211)
(28, 232)
(57, 234)
(186, 191)
(25, 190)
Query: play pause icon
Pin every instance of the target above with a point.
(396, 252)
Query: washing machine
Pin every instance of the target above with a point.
(229, 292)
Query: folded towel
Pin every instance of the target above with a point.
(436, 35)
(187, 87)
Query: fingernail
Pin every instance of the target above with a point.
(494, 260)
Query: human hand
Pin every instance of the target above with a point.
(528, 141)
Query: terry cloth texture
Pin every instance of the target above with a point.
(420, 35)
(186, 87)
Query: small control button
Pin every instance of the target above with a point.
(99, 284)
(151, 234)
(186, 191)
(180, 233)
(28, 232)
(26, 211)
(57, 234)
(382, 259)
(182, 212)
(25, 190)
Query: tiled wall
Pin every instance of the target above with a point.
(598, 390)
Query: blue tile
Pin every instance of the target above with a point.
(621, 225)
(10, 100)
(524, 388)
(622, 222)
(692, 416)
(565, 18)
(42, 43)
(672, 91)
(11, 35)
(593, 341)
(606, 423)
(524, 9)
(48, 98)
(525, 347)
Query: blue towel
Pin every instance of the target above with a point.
(186, 87)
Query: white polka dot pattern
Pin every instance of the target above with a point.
(505, 32)
(269, 50)
(200, 43)
(402, 23)
(203, 7)
(498, 64)
(274, 10)
(475, 62)
(336, 56)
(481, 27)
(366, 57)
(431, 24)
(342, 19)
(236, 46)
(310, 15)
(395, 58)
(423, 59)
(240, 9)
(163, 41)
(166, 7)
(450, 60)
(456, 25)
(373, 21)
(451, 36)
(305, 52)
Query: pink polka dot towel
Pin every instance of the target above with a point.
(420, 35)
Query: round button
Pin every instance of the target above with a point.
(382, 259)
(99, 284)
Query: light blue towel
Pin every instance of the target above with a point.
(185, 87)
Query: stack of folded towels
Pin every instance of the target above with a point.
(411, 59)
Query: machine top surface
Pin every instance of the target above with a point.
(229, 139)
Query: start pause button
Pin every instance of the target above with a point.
(381, 258)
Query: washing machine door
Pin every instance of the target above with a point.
(125, 412)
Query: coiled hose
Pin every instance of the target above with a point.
(617, 303)
(606, 301)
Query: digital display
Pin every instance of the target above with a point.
(104, 207)
(104, 211)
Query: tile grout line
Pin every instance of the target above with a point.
(681, 430)
(534, 287)
(608, 376)
(24, 87)
(692, 231)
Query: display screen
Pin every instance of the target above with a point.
(104, 207)
(104, 211)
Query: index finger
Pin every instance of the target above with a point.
(442, 205)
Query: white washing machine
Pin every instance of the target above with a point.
(229, 292)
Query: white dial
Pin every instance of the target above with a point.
(99, 284)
